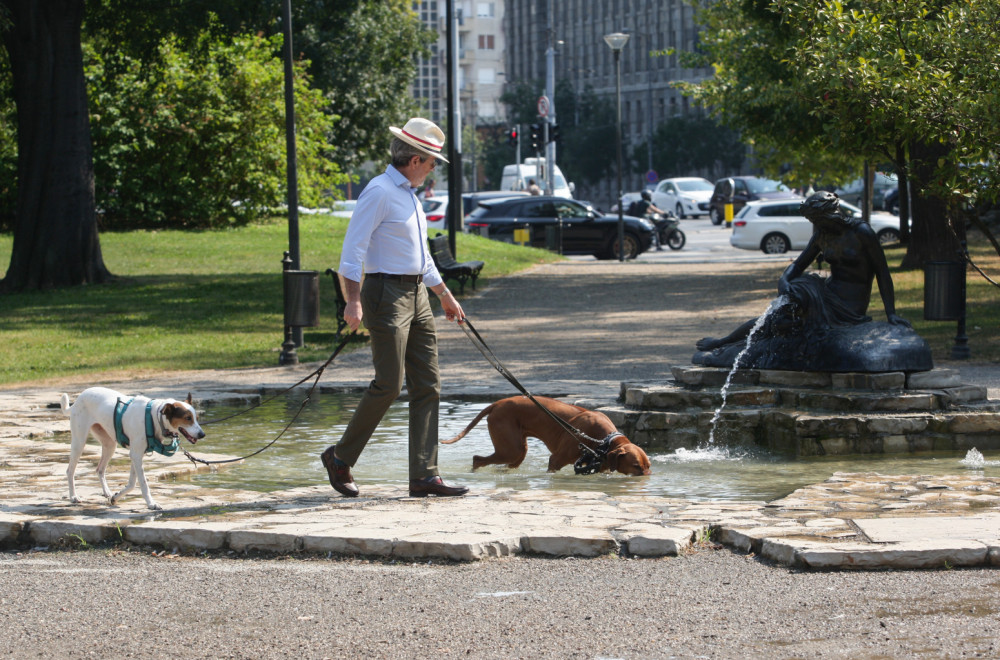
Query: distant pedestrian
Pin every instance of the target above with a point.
(429, 189)
(533, 187)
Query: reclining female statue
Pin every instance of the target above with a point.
(821, 323)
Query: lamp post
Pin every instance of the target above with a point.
(616, 41)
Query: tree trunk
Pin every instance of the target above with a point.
(55, 227)
(932, 234)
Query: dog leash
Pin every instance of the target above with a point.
(317, 373)
(590, 461)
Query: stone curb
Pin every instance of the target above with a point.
(456, 545)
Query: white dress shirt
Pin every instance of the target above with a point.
(388, 232)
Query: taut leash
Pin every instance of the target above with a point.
(590, 461)
(317, 373)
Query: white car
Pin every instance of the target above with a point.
(686, 197)
(436, 210)
(776, 226)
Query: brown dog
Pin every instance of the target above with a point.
(511, 421)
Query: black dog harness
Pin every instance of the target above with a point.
(591, 459)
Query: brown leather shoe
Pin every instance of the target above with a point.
(340, 475)
(434, 486)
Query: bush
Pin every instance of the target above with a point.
(197, 138)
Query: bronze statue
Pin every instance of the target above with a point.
(821, 323)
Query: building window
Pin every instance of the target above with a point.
(487, 42)
(485, 10)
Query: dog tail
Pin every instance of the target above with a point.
(64, 403)
(485, 411)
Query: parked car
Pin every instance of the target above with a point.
(344, 208)
(684, 196)
(738, 190)
(583, 229)
(776, 226)
(436, 210)
(881, 184)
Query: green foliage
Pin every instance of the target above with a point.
(685, 144)
(8, 146)
(824, 85)
(195, 138)
(360, 53)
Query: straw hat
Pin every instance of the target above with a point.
(422, 134)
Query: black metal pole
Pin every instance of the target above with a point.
(961, 351)
(291, 170)
(618, 133)
(455, 206)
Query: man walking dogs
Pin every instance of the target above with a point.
(387, 239)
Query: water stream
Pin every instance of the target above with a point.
(775, 304)
(706, 474)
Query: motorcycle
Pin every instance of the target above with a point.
(668, 230)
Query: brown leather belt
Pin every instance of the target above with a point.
(409, 279)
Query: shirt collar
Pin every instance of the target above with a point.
(398, 178)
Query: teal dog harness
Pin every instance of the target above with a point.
(152, 442)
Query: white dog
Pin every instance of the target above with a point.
(141, 424)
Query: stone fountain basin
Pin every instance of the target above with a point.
(809, 413)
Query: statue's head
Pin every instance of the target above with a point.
(822, 206)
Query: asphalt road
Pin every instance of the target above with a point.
(710, 603)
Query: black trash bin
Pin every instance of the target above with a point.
(943, 290)
(301, 298)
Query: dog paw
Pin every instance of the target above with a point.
(74, 499)
(154, 506)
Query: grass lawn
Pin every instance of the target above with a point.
(982, 306)
(201, 300)
(190, 300)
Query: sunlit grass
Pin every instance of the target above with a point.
(190, 300)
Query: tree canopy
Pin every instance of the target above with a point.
(820, 86)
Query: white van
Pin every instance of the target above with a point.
(516, 177)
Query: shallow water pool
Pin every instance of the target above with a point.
(293, 461)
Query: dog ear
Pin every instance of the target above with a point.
(612, 458)
(189, 400)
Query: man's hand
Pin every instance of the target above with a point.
(353, 314)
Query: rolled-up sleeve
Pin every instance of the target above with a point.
(367, 214)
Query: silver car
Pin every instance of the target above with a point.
(776, 226)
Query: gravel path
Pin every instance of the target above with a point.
(706, 604)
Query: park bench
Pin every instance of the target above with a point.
(341, 301)
(448, 267)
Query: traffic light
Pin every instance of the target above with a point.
(512, 137)
(553, 132)
(536, 136)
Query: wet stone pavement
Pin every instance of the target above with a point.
(849, 521)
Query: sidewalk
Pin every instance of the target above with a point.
(575, 329)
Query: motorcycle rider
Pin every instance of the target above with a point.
(644, 208)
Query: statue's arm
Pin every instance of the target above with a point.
(885, 288)
(799, 266)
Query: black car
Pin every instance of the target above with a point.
(560, 224)
(738, 190)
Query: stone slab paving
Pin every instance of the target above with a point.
(849, 521)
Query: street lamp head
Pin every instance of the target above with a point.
(616, 40)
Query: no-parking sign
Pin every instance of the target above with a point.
(543, 106)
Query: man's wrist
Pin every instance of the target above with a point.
(444, 292)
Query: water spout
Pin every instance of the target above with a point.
(974, 460)
(775, 304)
